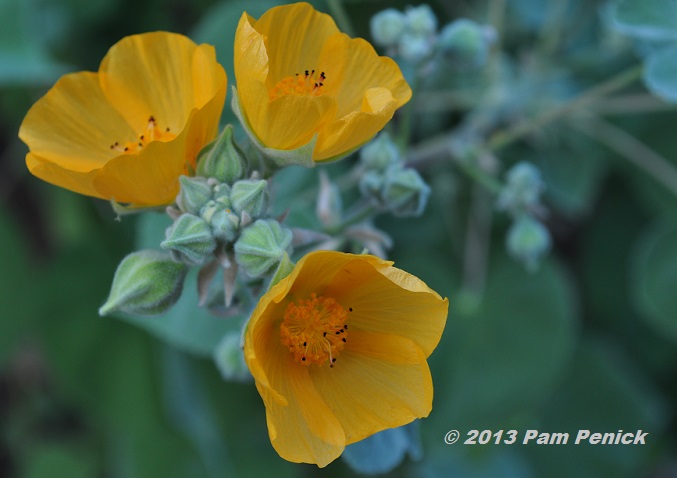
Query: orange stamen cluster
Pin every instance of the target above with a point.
(309, 84)
(151, 133)
(314, 330)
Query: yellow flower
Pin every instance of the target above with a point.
(338, 351)
(299, 78)
(129, 131)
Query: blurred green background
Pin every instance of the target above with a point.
(586, 342)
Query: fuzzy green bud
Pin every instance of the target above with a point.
(371, 184)
(229, 358)
(195, 192)
(465, 43)
(380, 153)
(225, 162)
(404, 192)
(523, 188)
(223, 221)
(261, 246)
(222, 194)
(387, 26)
(190, 240)
(414, 48)
(145, 283)
(421, 20)
(527, 241)
(250, 196)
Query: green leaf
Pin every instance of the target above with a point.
(16, 307)
(503, 356)
(47, 461)
(649, 19)
(603, 392)
(656, 278)
(383, 451)
(660, 74)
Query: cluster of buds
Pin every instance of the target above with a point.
(220, 218)
(413, 35)
(387, 183)
(528, 240)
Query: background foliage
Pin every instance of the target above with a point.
(587, 341)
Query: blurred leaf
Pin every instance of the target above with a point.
(17, 311)
(24, 38)
(603, 392)
(572, 171)
(48, 461)
(465, 461)
(655, 279)
(660, 74)
(191, 413)
(654, 19)
(384, 450)
(505, 354)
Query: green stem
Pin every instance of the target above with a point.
(339, 13)
(503, 138)
(478, 233)
(632, 149)
(364, 212)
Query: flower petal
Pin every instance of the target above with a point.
(379, 381)
(76, 181)
(353, 67)
(350, 132)
(152, 75)
(382, 305)
(301, 427)
(295, 35)
(73, 126)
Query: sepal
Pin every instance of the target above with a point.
(190, 240)
(262, 246)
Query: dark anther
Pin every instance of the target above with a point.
(305, 343)
(324, 334)
(321, 84)
(345, 326)
(312, 72)
(344, 339)
(306, 72)
(333, 360)
(303, 359)
(350, 309)
(167, 128)
(337, 332)
(316, 85)
(126, 148)
(151, 119)
(140, 145)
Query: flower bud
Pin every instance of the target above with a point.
(229, 358)
(225, 162)
(190, 240)
(261, 246)
(370, 186)
(527, 241)
(250, 196)
(195, 192)
(223, 221)
(329, 204)
(387, 26)
(414, 48)
(465, 43)
(404, 192)
(380, 153)
(222, 194)
(421, 20)
(523, 188)
(145, 283)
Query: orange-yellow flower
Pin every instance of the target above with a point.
(338, 351)
(299, 78)
(129, 131)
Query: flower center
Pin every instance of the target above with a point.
(151, 133)
(309, 84)
(314, 330)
